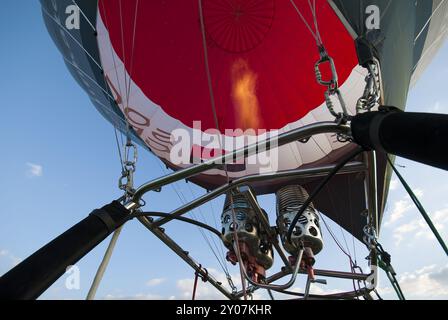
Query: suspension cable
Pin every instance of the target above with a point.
(73, 38)
(217, 247)
(128, 89)
(332, 84)
(215, 117)
(419, 207)
(321, 185)
(385, 264)
(126, 181)
(222, 262)
(85, 16)
(198, 275)
(180, 218)
(352, 264)
(313, 33)
(316, 24)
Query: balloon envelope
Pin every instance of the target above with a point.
(202, 74)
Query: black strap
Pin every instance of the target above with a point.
(105, 217)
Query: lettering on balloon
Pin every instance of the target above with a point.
(137, 120)
(159, 140)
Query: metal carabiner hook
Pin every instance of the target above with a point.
(324, 58)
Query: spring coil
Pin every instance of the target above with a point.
(291, 197)
(237, 200)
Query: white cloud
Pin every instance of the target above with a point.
(436, 106)
(318, 290)
(419, 193)
(34, 170)
(401, 232)
(400, 208)
(204, 290)
(155, 282)
(147, 296)
(385, 292)
(138, 296)
(439, 107)
(441, 218)
(184, 289)
(393, 184)
(430, 282)
(15, 260)
(418, 228)
(8, 259)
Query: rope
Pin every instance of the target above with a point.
(112, 54)
(84, 15)
(183, 200)
(73, 38)
(216, 225)
(353, 264)
(316, 24)
(322, 184)
(314, 34)
(345, 251)
(128, 90)
(207, 240)
(196, 276)
(180, 218)
(385, 264)
(217, 247)
(419, 207)
(119, 149)
(215, 116)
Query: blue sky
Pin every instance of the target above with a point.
(59, 161)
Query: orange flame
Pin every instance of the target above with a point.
(244, 85)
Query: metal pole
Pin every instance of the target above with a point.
(317, 272)
(103, 265)
(371, 191)
(247, 192)
(282, 139)
(307, 288)
(323, 273)
(185, 256)
(105, 262)
(274, 286)
(297, 173)
(349, 168)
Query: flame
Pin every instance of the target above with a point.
(244, 85)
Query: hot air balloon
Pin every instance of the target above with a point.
(189, 80)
